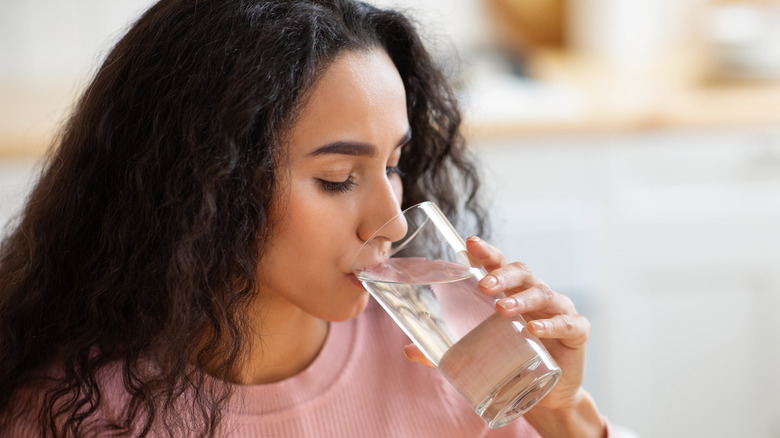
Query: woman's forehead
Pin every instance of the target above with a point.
(360, 98)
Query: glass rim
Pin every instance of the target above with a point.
(407, 237)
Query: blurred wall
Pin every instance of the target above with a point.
(50, 39)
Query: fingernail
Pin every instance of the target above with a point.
(474, 239)
(537, 326)
(507, 303)
(489, 282)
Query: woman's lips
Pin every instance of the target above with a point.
(355, 281)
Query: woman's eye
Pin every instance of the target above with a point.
(394, 170)
(337, 186)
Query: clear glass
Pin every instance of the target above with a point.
(417, 267)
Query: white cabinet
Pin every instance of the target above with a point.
(670, 244)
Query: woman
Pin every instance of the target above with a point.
(182, 266)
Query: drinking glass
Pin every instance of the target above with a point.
(427, 282)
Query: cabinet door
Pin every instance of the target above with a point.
(670, 244)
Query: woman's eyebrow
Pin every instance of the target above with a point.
(354, 148)
(345, 148)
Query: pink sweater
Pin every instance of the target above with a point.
(360, 385)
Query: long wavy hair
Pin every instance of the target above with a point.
(139, 246)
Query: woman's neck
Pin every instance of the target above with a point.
(286, 341)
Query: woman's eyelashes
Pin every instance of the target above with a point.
(349, 183)
(337, 186)
(394, 170)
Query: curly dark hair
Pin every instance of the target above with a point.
(141, 241)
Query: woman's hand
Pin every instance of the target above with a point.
(550, 316)
(568, 410)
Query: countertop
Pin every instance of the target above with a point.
(567, 95)
(599, 98)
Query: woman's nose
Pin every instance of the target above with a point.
(382, 216)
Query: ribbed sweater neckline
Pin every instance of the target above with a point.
(331, 365)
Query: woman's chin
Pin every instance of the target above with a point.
(353, 309)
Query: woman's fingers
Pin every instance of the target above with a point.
(572, 331)
(508, 277)
(538, 299)
(415, 355)
(488, 255)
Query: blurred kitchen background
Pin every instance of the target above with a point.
(632, 148)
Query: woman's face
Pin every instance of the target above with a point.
(339, 185)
